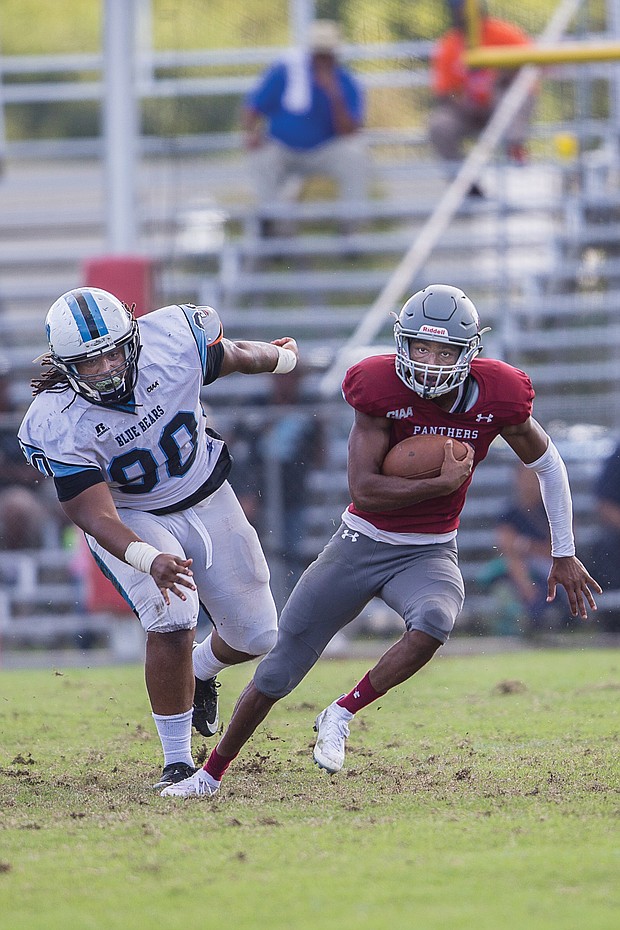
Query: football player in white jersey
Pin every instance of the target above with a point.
(397, 540)
(117, 422)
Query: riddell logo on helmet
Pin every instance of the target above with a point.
(433, 330)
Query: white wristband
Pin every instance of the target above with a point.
(141, 556)
(286, 361)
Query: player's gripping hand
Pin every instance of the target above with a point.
(172, 573)
(455, 471)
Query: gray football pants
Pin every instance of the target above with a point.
(421, 583)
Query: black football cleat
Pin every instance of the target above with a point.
(205, 716)
(173, 773)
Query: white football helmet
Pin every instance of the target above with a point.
(86, 323)
(439, 313)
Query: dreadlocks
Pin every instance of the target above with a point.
(52, 379)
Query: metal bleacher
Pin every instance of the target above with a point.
(540, 256)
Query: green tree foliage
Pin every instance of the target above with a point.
(72, 26)
(31, 27)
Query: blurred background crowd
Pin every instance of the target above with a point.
(305, 165)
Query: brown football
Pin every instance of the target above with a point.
(419, 456)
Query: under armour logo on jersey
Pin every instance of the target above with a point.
(352, 536)
(101, 428)
(481, 417)
(356, 694)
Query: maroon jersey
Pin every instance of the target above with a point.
(505, 397)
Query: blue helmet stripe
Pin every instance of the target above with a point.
(86, 314)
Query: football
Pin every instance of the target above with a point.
(419, 456)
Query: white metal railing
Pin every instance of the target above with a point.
(404, 65)
(149, 84)
(152, 85)
(423, 245)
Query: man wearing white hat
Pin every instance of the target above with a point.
(303, 119)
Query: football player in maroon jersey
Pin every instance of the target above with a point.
(397, 540)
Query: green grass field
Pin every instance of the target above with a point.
(482, 794)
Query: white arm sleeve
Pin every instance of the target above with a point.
(556, 497)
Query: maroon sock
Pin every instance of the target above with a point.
(216, 764)
(361, 695)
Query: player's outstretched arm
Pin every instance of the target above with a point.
(536, 450)
(252, 358)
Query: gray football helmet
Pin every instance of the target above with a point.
(438, 313)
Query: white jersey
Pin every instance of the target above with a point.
(153, 452)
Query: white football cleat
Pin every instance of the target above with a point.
(198, 785)
(332, 731)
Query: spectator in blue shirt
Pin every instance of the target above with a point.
(304, 118)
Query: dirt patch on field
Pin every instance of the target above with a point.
(510, 686)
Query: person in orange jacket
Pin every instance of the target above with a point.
(466, 98)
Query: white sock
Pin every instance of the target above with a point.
(205, 664)
(340, 711)
(175, 733)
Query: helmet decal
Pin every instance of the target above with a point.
(86, 314)
(434, 331)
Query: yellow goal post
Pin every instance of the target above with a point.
(514, 56)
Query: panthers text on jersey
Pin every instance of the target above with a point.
(155, 451)
(505, 397)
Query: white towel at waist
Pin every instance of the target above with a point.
(298, 92)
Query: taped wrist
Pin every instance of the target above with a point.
(141, 556)
(557, 500)
(286, 361)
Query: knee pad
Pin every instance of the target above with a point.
(158, 620)
(284, 667)
(255, 630)
(433, 617)
(262, 643)
(158, 617)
